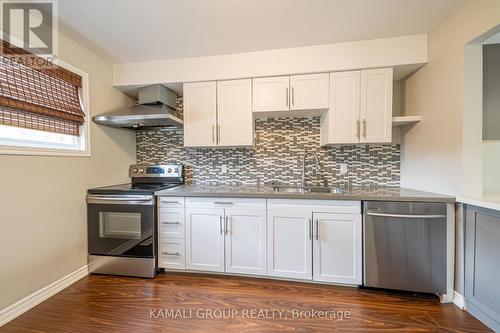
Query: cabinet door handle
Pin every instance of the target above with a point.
(213, 133)
(293, 96)
(310, 229)
(226, 224)
(358, 128)
(170, 223)
(171, 253)
(220, 224)
(364, 128)
(169, 202)
(287, 98)
(223, 203)
(317, 229)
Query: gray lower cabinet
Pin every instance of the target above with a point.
(482, 265)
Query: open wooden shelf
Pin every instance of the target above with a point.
(405, 120)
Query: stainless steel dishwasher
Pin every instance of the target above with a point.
(405, 246)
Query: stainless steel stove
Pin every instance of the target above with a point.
(122, 221)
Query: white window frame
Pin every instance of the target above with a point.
(81, 148)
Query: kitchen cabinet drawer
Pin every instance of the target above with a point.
(171, 222)
(318, 206)
(171, 202)
(172, 253)
(233, 203)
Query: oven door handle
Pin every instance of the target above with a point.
(120, 199)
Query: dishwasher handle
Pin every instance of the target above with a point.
(405, 216)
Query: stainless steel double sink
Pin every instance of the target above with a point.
(300, 190)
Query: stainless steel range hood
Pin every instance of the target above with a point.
(155, 110)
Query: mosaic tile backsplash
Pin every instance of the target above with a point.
(276, 158)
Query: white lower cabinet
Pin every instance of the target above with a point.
(246, 241)
(315, 240)
(289, 237)
(230, 239)
(337, 248)
(205, 239)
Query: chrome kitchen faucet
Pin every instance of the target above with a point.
(318, 165)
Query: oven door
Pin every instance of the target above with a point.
(121, 225)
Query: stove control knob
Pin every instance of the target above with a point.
(169, 170)
(176, 170)
(141, 170)
(135, 170)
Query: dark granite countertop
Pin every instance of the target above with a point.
(354, 193)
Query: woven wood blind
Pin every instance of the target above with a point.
(43, 98)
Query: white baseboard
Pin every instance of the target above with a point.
(458, 300)
(14, 310)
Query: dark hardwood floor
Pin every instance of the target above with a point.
(117, 304)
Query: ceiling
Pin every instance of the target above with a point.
(135, 31)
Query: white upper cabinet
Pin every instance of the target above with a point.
(271, 94)
(296, 92)
(200, 114)
(341, 123)
(234, 113)
(357, 104)
(376, 105)
(309, 92)
(360, 108)
(218, 114)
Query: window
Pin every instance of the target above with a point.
(491, 92)
(42, 108)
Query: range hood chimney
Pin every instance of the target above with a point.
(155, 108)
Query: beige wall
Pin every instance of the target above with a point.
(432, 153)
(42, 199)
(444, 152)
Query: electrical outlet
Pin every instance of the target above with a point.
(223, 169)
(343, 168)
